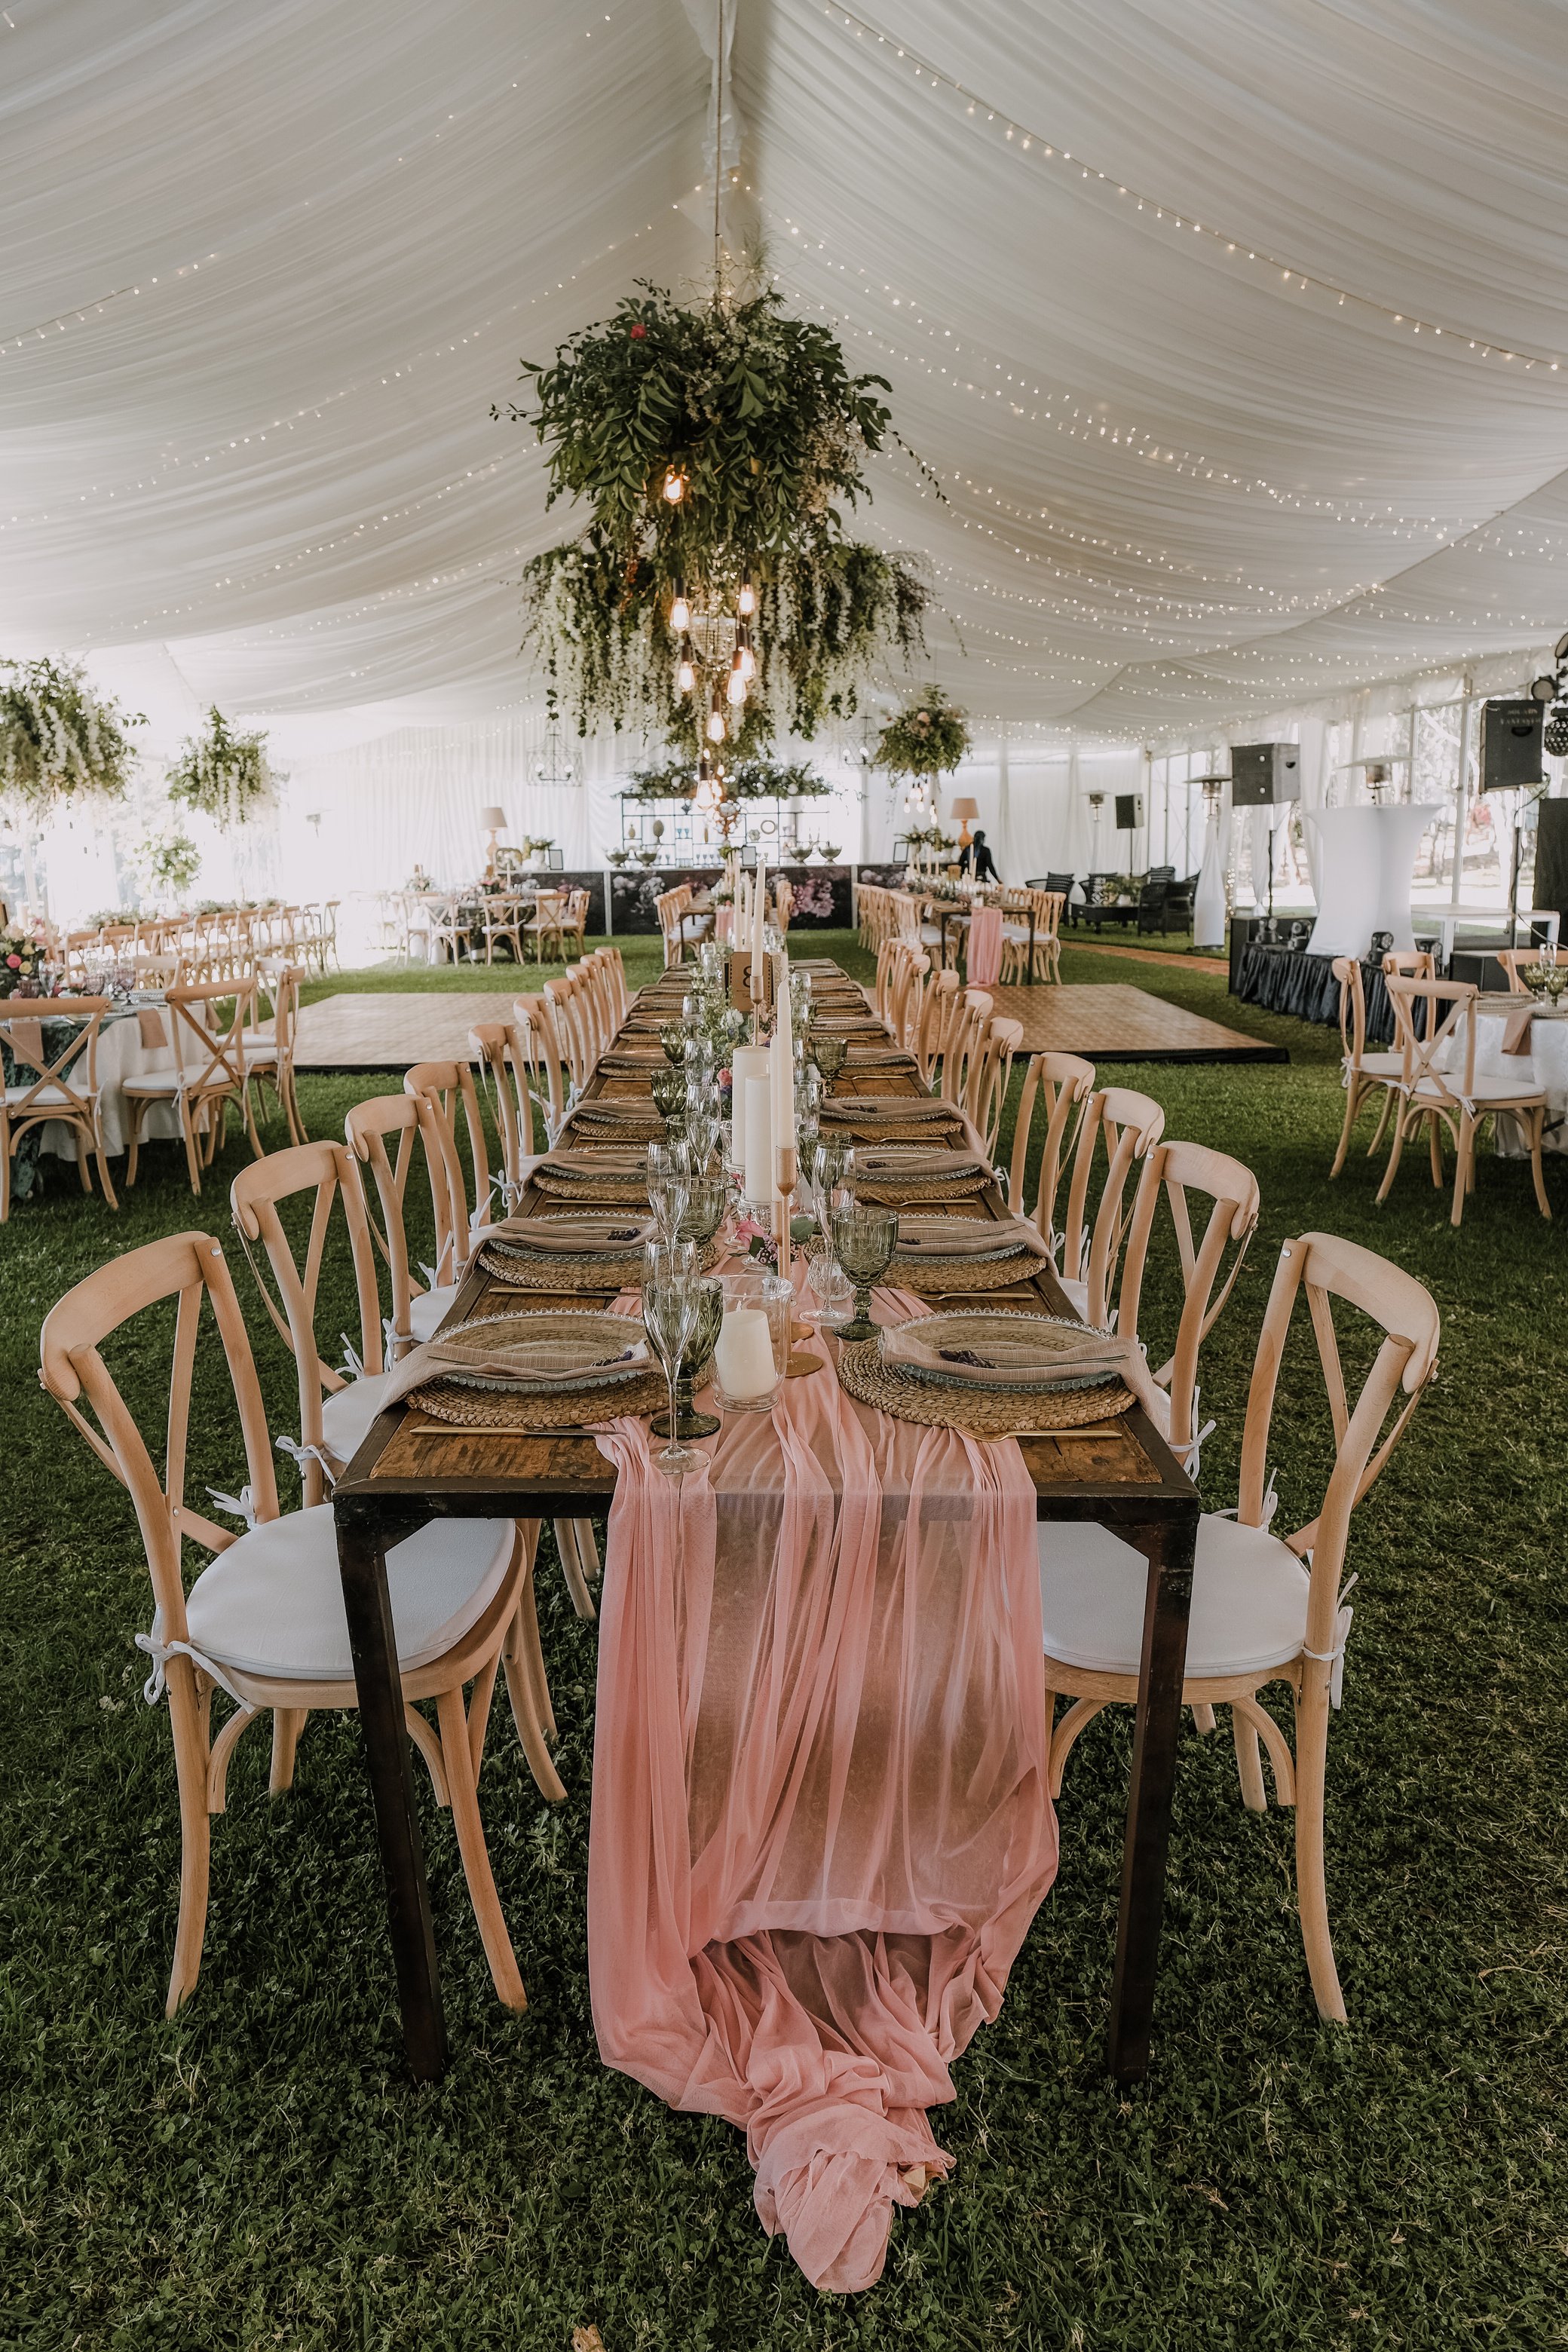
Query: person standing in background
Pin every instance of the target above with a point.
(983, 866)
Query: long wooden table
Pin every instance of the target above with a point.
(412, 1469)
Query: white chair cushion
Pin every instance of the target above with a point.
(42, 1096)
(347, 1414)
(1077, 1293)
(273, 1604)
(1523, 1089)
(427, 1313)
(1250, 1599)
(1381, 1065)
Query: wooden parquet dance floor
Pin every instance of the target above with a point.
(1120, 1024)
(350, 1034)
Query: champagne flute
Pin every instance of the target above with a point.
(865, 1237)
(669, 1318)
(708, 1293)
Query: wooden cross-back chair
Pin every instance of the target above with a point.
(337, 1404)
(970, 1012)
(936, 1005)
(270, 1057)
(989, 1075)
(1455, 1098)
(1365, 1075)
(1264, 1608)
(1130, 1124)
(538, 1050)
(1060, 1084)
(205, 1074)
(64, 1085)
(460, 1201)
(263, 1621)
(1173, 1172)
(1515, 963)
(572, 1015)
(502, 915)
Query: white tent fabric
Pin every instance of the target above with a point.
(1237, 337)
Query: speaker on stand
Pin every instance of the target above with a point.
(1266, 775)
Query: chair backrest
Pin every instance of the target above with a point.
(71, 1077)
(1175, 1171)
(784, 902)
(1061, 1084)
(1419, 1054)
(1410, 963)
(277, 999)
(369, 1128)
(567, 1000)
(1130, 1124)
(189, 1267)
(935, 1013)
(669, 923)
(209, 1058)
(990, 1074)
(494, 1071)
(544, 1058)
(330, 1173)
(1325, 1268)
(1060, 885)
(909, 969)
(967, 1027)
(1516, 963)
(438, 1087)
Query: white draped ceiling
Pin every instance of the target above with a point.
(266, 270)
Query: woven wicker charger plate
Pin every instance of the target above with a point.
(590, 1191)
(908, 1192)
(936, 1274)
(524, 1415)
(576, 1273)
(992, 1413)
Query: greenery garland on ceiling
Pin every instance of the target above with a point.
(59, 740)
(713, 449)
(223, 775)
(928, 739)
(746, 779)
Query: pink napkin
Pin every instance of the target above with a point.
(820, 1822)
(985, 947)
(1516, 1028)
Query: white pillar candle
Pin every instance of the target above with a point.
(743, 1359)
(759, 1144)
(758, 906)
(783, 1050)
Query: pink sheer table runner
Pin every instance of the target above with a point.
(820, 1819)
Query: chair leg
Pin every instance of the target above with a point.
(1203, 1718)
(466, 1820)
(83, 1145)
(188, 1718)
(1352, 1105)
(1249, 1764)
(288, 1723)
(5, 1168)
(1311, 1886)
(1538, 1123)
(572, 1568)
(1463, 1160)
(133, 1145)
(1081, 1712)
(1435, 1148)
(103, 1178)
(1402, 1122)
(193, 1155)
(1388, 1100)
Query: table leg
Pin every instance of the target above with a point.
(362, 1564)
(1169, 1547)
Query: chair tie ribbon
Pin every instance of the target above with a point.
(1335, 1658)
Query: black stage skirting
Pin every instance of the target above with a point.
(1287, 979)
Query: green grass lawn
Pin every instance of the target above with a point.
(261, 2173)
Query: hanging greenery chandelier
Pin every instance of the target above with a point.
(713, 595)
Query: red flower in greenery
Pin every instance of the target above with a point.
(638, 333)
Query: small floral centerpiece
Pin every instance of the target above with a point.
(929, 738)
(22, 952)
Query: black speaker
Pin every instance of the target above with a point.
(1129, 812)
(1263, 775)
(1550, 884)
(1511, 744)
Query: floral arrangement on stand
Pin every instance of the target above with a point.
(929, 738)
(59, 740)
(712, 593)
(748, 779)
(224, 775)
(23, 954)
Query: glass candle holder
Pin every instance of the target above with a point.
(753, 1340)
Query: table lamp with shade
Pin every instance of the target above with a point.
(964, 808)
(492, 822)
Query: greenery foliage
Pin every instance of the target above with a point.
(928, 739)
(60, 740)
(168, 865)
(746, 779)
(758, 417)
(224, 775)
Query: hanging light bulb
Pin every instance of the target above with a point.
(746, 602)
(716, 730)
(710, 792)
(680, 611)
(746, 660)
(674, 486)
(684, 676)
(735, 691)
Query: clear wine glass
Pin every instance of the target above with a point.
(685, 1420)
(669, 1309)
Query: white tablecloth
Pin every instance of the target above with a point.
(1545, 1066)
(121, 1054)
